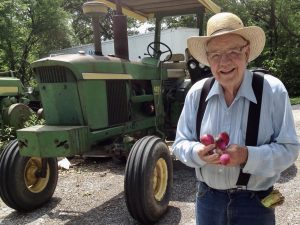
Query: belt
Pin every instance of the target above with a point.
(261, 193)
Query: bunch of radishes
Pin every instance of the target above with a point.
(221, 142)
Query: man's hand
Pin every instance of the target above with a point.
(208, 155)
(238, 155)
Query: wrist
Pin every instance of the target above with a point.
(245, 153)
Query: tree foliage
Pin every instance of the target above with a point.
(181, 21)
(81, 24)
(29, 29)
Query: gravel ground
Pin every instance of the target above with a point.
(92, 192)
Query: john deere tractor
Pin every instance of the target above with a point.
(14, 101)
(110, 105)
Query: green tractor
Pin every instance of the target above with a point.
(110, 105)
(14, 101)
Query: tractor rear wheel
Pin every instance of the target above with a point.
(148, 179)
(21, 185)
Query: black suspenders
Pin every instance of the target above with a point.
(253, 116)
(202, 104)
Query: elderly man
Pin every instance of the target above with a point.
(232, 193)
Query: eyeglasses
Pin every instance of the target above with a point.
(234, 53)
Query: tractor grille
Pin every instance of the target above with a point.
(54, 74)
(117, 102)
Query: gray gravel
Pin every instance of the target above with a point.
(92, 192)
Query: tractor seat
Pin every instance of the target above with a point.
(175, 66)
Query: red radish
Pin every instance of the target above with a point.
(222, 141)
(225, 159)
(221, 144)
(207, 139)
(225, 137)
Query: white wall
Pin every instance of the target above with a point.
(137, 44)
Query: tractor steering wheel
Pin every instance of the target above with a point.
(158, 53)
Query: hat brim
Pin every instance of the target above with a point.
(255, 35)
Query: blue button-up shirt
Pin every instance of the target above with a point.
(278, 145)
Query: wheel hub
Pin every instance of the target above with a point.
(33, 182)
(160, 179)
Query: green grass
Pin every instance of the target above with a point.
(295, 100)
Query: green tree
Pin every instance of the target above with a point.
(181, 21)
(29, 29)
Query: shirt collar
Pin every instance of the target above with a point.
(245, 90)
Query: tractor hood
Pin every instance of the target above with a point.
(85, 66)
(75, 58)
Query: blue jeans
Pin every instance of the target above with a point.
(232, 207)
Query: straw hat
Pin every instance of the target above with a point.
(227, 23)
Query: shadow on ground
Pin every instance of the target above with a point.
(288, 174)
(112, 212)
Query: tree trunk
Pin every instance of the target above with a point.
(24, 64)
(11, 61)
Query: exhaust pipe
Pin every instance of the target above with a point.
(95, 10)
(120, 33)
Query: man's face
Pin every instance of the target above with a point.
(228, 57)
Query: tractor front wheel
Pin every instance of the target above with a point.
(23, 184)
(148, 179)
